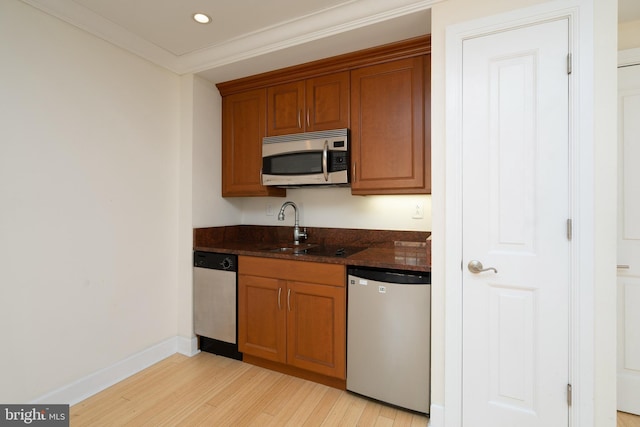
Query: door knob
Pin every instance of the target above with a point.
(476, 267)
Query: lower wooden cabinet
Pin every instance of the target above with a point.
(293, 313)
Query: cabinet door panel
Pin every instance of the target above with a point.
(262, 317)
(317, 328)
(285, 105)
(243, 127)
(327, 102)
(388, 128)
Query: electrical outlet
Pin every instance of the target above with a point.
(418, 210)
(269, 209)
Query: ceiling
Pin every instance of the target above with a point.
(247, 37)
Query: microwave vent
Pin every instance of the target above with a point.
(335, 133)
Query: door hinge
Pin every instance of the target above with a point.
(568, 63)
(569, 229)
(569, 394)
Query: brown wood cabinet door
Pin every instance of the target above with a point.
(285, 109)
(243, 127)
(262, 317)
(388, 115)
(316, 328)
(319, 103)
(327, 102)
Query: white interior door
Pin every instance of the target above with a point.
(515, 178)
(629, 239)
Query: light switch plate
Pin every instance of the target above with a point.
(418, 210)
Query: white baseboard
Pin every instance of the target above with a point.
(627, 385)
(436, 416)
(100, 380)
(188, 346)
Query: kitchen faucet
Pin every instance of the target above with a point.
(297, 234)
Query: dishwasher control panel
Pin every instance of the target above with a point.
(215, 261)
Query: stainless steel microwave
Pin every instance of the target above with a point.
(311, 158)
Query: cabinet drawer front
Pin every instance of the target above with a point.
(306, 271)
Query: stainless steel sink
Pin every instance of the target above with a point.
(302, 248)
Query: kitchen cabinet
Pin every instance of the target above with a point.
(293, 313)
(390, 149)
(381, 94)
(314, 104)
(243, 127)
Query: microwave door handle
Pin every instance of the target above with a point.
(325, 154)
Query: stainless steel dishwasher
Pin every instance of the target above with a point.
(215, 305)
(388, 336)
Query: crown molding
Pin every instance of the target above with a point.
(89, 21)
(307, 29)
(326, 23)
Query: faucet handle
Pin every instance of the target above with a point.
(299, 234)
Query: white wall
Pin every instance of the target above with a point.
(629, 35)
(209, 208)
(201, 203)
(604, 198)
(336, 207)
(89, 139)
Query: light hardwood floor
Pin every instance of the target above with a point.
(211, 390)
(628, 420)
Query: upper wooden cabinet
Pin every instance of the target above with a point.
(320, 103)
(243, 127)
(382, 94)
(389, 140)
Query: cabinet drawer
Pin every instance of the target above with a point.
(305, 271)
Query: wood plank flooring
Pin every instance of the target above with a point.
(628, 420)
(210, 390)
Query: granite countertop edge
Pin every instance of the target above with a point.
(386, 249)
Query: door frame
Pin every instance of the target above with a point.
(582, 198)
(627, 57)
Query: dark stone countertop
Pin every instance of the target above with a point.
(401, 250)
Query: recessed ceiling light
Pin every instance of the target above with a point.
(201, 18)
